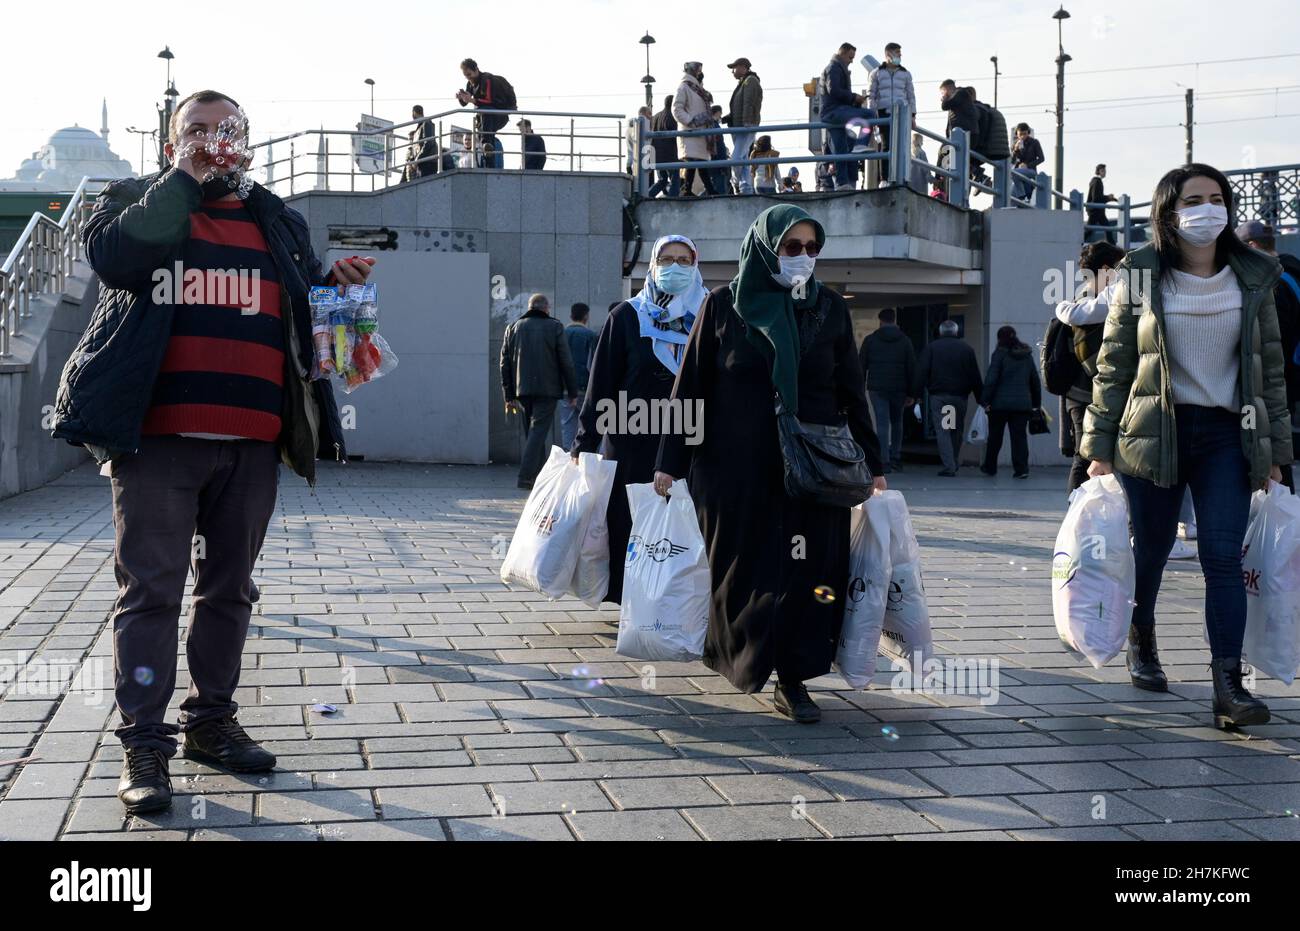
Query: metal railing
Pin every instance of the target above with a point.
(327, 159)
(959, 166)
(41, 260)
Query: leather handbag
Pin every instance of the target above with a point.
(823, 463)
(1038, 422)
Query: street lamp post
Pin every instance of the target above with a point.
(142, 133)
(994, 59)
(648, 40)
(166, 110)
(371, 82)
(1061, 58)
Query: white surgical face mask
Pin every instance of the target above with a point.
(794, 269)
(1202, 224)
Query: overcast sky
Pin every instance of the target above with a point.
(297, 66)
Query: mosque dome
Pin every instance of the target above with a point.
(70, 154)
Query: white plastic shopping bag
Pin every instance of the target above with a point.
(591, 574)
(544, 549)
(1093, 575)
(978, 432)
(905, 635)
(868, 590)
(1270, 564)
(665, 609)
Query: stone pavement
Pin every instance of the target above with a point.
(469, 711)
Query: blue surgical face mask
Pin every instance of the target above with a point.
(675, 278)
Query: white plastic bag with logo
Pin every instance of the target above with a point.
(544, 549)
(1093, 575)
(1270, 564)
(591, 574)
(666, 591)
(905, 635)
(868, 591)
(977, 434)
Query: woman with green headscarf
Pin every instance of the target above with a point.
(779, 565)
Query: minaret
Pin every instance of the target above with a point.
(103, 129)
(322, 164)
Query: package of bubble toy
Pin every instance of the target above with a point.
(345, 335)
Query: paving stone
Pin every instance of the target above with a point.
(751, 822)
(661, 792)
(511, 827)
(643, 824)
(322, 805)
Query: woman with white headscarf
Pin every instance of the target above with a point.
(637, 358)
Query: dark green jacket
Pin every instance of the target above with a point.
(1130, 422)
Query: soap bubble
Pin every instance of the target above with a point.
(143, 675)
(889, 733)
(824, 594)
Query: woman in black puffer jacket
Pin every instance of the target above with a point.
(1012, 392)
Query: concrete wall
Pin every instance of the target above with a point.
(1020, 248)
(29, 380)
(433, 313)
(560, 235)
(889, 223)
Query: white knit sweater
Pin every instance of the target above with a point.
(1203, 336)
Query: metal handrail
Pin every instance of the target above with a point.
(41, 260)
(398, 149)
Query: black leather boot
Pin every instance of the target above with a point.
(224, 744)
(146, 783)
(795, 703)
(1144, 660)
(1234, 706)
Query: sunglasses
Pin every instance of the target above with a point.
(794, 247)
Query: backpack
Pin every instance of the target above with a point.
(1059, 365)
(1087, 343)
(505, 93)
(993, 133)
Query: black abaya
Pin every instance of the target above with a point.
(624, 361)
(772, 558)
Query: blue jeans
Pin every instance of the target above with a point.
(888, 408)
(1022, 183)
(569, 420)
(743, 174)
(1212, 465)
(670, 181)
(845, 172)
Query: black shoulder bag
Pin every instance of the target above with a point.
(823, 463)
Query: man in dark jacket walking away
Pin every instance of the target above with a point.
(487, 92)
(190, 395)
(1286, 296)
(889, 362)
(949, 371)
(582, 346)
(1011, 393)
(665, 152)
(536, 369)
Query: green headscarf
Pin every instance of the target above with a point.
(766, 306)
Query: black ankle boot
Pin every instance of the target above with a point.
(224, 744)
(1234, 706)
(1144, 660)
(146, 781)
(795, 703)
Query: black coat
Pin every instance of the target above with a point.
(1012, 382)
(963, 114)
(767, 551)
(140, 225)
(1288, 321)
(665, 149)
(948, 366)
(535, 359)
(624, 361)
(889, 360)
